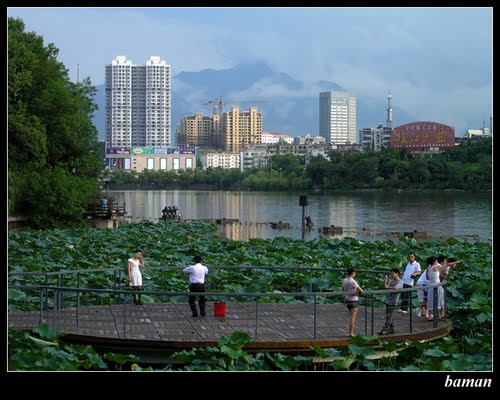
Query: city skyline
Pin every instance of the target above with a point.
(436, 62)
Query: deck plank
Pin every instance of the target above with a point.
(274, 326)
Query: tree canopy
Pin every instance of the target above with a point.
(53, 156)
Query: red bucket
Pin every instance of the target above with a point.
(219, 308)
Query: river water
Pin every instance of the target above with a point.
(365, 215)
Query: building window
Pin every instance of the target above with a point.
(163, 163)
(151, 163)
(176, 163)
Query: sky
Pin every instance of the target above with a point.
(436, 62)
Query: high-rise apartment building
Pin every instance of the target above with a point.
(234, 132)
(199, 131)
(337, 117)
(138, 103)
(239, 129)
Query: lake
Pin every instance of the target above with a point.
(370, 215)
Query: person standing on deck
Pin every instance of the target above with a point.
(134, 274)
(412, 270)
(351, 299)
(391, 301)
(197, 273)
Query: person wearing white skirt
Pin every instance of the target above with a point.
(433, 272)
(134, 274)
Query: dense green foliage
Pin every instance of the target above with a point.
(465, 167)
(40, 350)
(174, 244)
(53, 158)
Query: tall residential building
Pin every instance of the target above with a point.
(138, 103)
(199, 131)
(239, 129)
(337, 117)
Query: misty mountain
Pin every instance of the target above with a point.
(288, 106)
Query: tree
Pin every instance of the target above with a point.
(318, 169)
(287, 163)
(418, 173)
(363, 169)
(52, 143)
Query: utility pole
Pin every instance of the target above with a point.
(303, 203)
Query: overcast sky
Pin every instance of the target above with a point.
(437, 62)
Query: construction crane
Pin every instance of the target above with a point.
(219, 103)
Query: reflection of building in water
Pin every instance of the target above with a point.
(153, 207)
(341, 212)
(227, 205)
(236, 205)
(130, 204)
(252, 207)
(241, 230)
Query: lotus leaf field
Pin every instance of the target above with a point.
(469, 298)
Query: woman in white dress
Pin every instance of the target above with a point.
(134, 274)
(433, 273)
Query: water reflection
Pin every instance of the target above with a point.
(367, 215)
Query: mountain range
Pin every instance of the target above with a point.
(288, 106)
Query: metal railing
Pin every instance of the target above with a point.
(52, 297)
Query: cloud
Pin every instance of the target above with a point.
(92, 38)
(427, 57)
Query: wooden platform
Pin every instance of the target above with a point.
(112, 209)
(170, 327)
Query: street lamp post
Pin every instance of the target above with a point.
(303, 203)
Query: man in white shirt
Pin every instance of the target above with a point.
(197, 273)
(411, 272)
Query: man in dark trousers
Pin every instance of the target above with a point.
(197, 273)
(411, 272)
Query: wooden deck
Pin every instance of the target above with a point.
(170, 327)
(111, 210)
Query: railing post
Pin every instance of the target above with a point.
(444, 302)
(121, 286)
(310, 281)
(41, 306)
(56, 309)
(162, 283)
(124, 314)
(373, 314)
(410, 310)
(314, 296)
(61, 303)
(114, 287)
(256, 316)
(434, 307)
(78, 303)
(366, 315)
(56, 294)
(46, 292)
